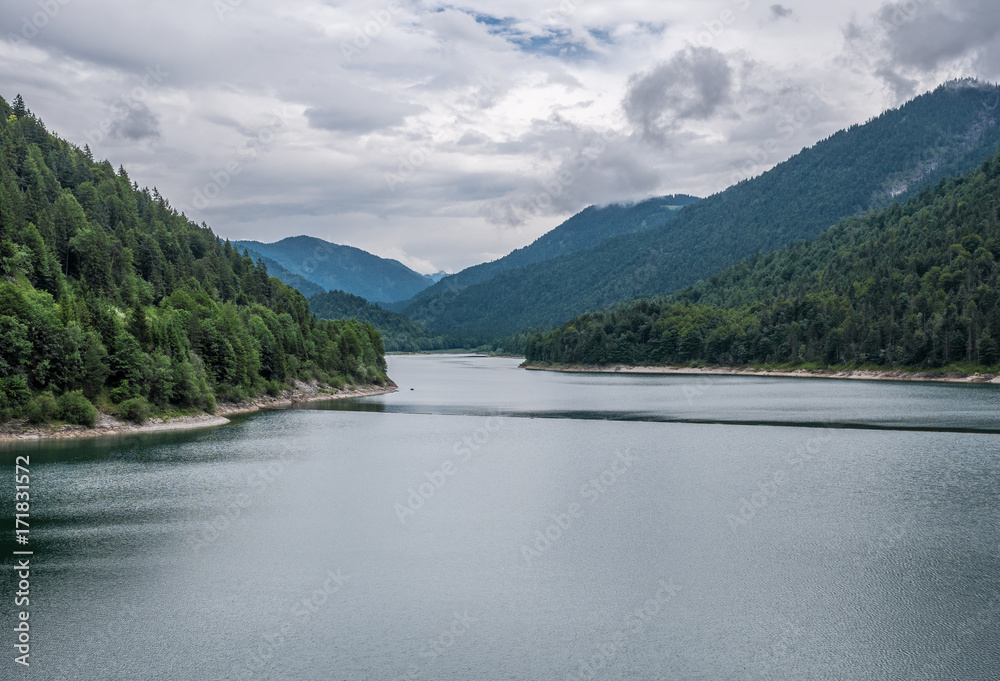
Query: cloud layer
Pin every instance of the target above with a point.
(444, 135)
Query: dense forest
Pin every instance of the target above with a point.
(914, 285)
(399, 332)
(893, 156)
(109, 297)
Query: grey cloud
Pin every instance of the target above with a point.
(911, 41)
(693, 85)
(781, 12)
(902, 87)
(592, 168)
(139, 123)
(370, 112)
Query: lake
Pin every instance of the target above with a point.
(489, 523)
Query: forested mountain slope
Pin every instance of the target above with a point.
(399, 332)
(109, 296)
(587, 228)
(937, 135)
(907, 286)
(343, 268)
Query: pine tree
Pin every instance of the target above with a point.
(19, 109)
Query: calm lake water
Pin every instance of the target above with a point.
(493, 523)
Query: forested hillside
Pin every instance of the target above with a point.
(907, 286)
(399, 332)
(297, 282)
(587, 228)
(343, 268)
(108, 296)
(892, 156)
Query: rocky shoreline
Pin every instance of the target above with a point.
(17, 431)
(863, 375)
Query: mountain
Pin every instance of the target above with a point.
(297, 282)
(585, 229)
(913, 286)
(108, 296)
(343, 268)
(399, 333)
(868, 166)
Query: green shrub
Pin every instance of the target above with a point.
(125, 391)
(14, 392)
(42, 409)
(136, 410)
(273, 388)
(73, 407)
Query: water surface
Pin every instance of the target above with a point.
(493, 523)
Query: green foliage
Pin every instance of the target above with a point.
(108, 293)
(136, 410)
(866, 167)
(399, 332)
(42, 408)
(73, 407)
(914, 285)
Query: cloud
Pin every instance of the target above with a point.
(493, 99)
(353, 119)
(915, 44)
(780, 12)
(692, 85)
(587, 167)
(139, 123)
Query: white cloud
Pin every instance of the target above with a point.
(420, 129)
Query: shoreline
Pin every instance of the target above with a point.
(109, 426)
(852, 374)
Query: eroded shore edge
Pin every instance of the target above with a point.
(864, 375)
(19, 431)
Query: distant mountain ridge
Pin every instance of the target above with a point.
(335, 267)
(587, 228)
(891, 157)
(297, 282)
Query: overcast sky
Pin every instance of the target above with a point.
(447, 134)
